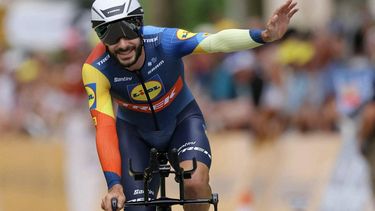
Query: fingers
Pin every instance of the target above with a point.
(121, 202)
(288, 8)
(284, 7)
(291, 13)
(107, 205)
(291, 6)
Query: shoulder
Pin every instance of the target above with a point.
(152, 30)
(154, 36)
(96, 63)
(98, 54)
(161, 32)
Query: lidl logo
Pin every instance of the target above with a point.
(160, 103)
(154, 86)
(153, 89)
(184, 35)
(91, 92)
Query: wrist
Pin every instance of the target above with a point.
(266, 36)
(112, 179)
(116, 187)
(256, 35)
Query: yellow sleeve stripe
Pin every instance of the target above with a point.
(199, 49)
(97, 87)
(225, 41)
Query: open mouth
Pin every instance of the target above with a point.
(125, 53)
(124, 49)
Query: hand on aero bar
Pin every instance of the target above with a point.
(115, 192)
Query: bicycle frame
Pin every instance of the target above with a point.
(158, 164)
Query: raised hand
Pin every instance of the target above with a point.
(277, 25)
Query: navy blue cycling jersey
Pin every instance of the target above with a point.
(163, 73)
(163, 77)
(152, 98)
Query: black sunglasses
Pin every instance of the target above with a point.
(112, 32)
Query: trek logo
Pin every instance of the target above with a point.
(184, 35)
(154, 88)
(151, 40)
(101, 62)
(114, 10)
(159, 105)
(91, 92)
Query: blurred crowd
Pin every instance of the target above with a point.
(304, 82)
(39, 89)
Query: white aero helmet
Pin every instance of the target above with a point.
(112, 19)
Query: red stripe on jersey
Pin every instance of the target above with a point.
(159, 105)
(96, 53)
(107, 142)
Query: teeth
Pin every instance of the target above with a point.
(125, 52)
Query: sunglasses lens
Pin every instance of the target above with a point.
(101, 30)
(111, 33)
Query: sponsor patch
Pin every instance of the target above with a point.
(184, 35)
(154, 88)
(159, 105)
(91, 92)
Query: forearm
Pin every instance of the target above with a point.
(108, 148)
(109, 156)
(101, 109)
(230, 40)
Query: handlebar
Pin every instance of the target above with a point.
(167, 202)
(114, 202)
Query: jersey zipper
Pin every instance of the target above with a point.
(141, 79)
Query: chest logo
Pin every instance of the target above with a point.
(154, 88)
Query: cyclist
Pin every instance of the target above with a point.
(140, 67)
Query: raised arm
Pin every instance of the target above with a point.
(231, 40)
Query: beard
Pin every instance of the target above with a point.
(131, 61)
